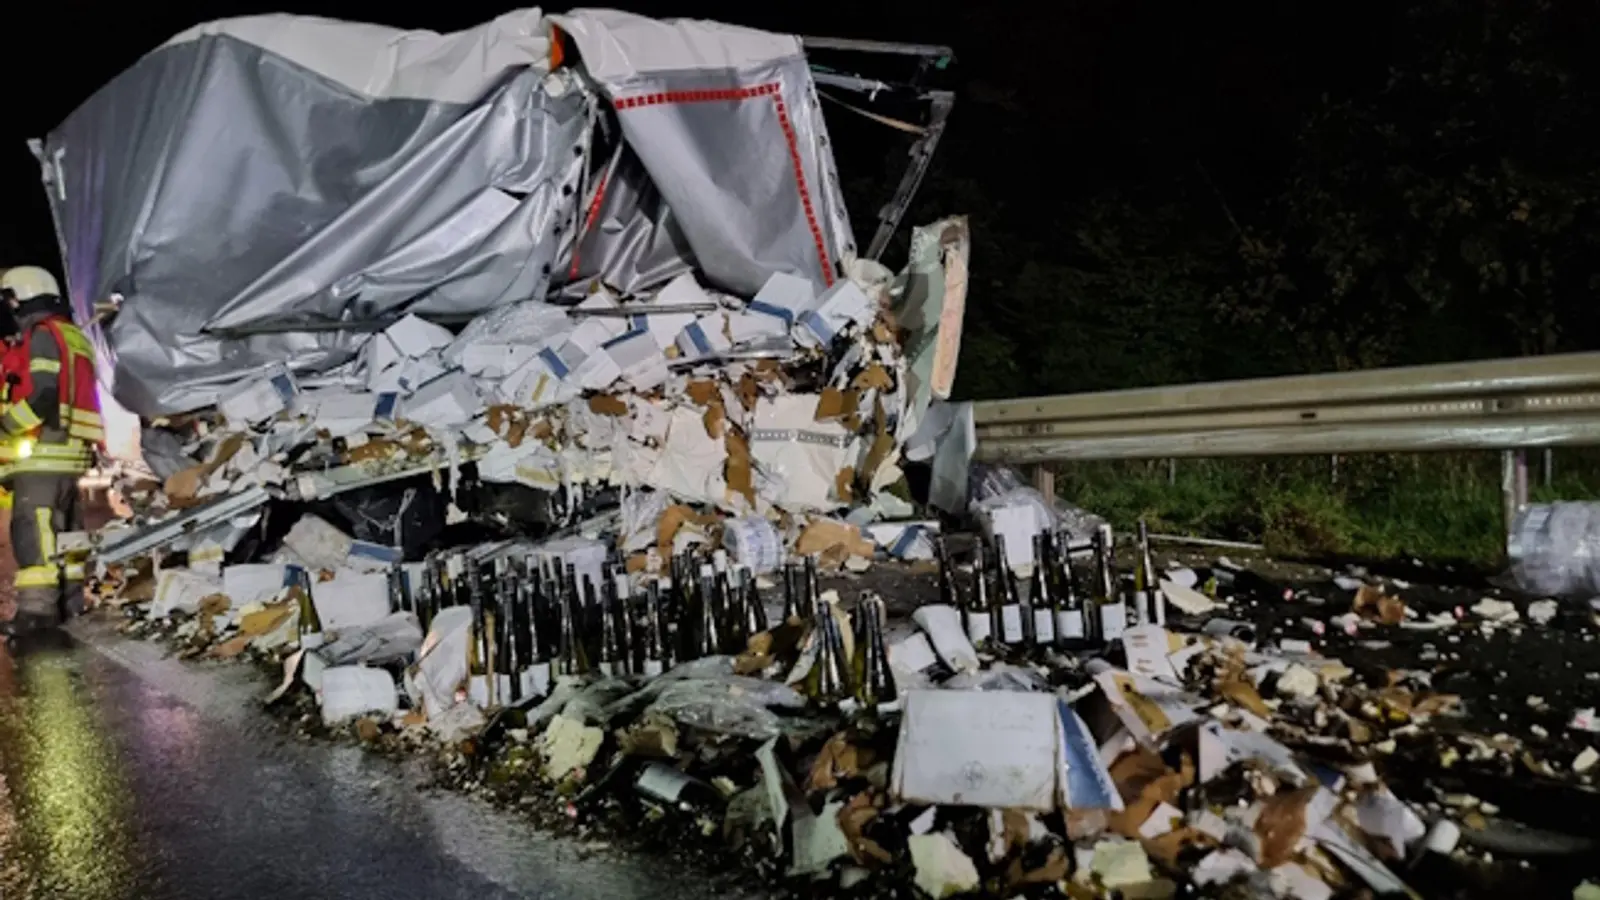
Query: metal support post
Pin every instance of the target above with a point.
(1044, 481)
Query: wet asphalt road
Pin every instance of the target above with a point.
(124, 774)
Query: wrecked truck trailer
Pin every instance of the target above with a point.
(717, 342)
(390, 172)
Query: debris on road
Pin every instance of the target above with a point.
(667, 532)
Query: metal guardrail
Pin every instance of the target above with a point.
(1505, 404)
(1544, 401)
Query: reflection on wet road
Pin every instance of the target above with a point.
(123, 774)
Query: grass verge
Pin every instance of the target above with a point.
(1437, 507)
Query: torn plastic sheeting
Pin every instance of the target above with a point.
(641, 511)
(995, 488)
(502, 340)
(909, 658)
(350, 691)
(998, 676)
(785, 214)
(930, 304)
(441, 667)
(943, 626)
(1554, 549)
(948, 437)
(731, 704)
(394, 637)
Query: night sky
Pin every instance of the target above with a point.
(1096, 92)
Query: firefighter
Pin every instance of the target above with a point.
(50, 419)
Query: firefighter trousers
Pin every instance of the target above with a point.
(42, 506)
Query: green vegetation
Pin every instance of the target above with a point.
(1435, 507)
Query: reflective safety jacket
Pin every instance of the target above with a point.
(50, 407)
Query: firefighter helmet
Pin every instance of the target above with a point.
(27, 282)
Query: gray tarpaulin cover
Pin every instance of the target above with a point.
(281, 168)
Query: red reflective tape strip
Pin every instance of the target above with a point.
(805, 194)
(790, 138)
(665, 97)
(588, 223)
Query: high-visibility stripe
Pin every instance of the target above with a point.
(44, 365)
(38, 576)
(47, 534)
(76, 572)
(20, 417)
(43, 467)
(75, 339)
(77, 363)
(72, 451)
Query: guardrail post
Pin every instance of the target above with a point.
(1044, 480)
(1522, 479)
(1513, 486)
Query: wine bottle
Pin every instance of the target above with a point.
(482, 648)
(1041, 599)
(832, 672)
(813, 594)
(791, 591)
(310, 623)
(949, 592)
(656, 654)
(535, 650)
(1073, 624)
(755, 609)
(672, 787)
(503, 598)
(709, 638)
(1147, 585)
(573, 659)
(622, 593)
(610, 648)
(730, 611)
(395, 580)
(874, 681)
(980, 618)
(1113, 611)
(1010, 605)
